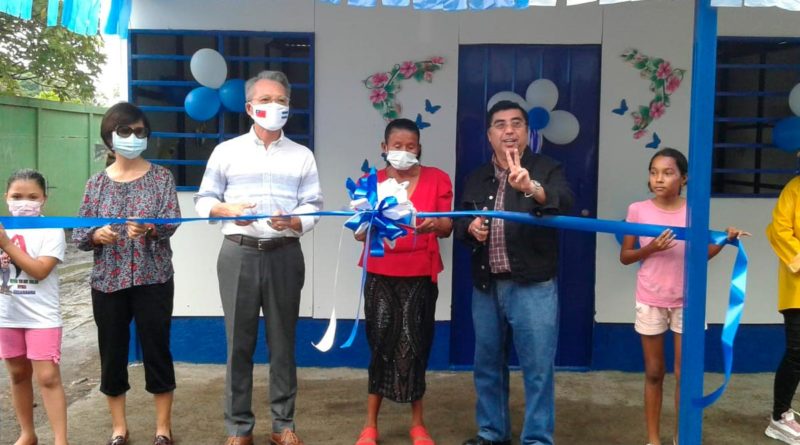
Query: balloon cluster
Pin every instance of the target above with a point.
(209, 69)
(557, 126)
(786, 133)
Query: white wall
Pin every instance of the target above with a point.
(352, 43)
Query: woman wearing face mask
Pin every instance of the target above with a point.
(401, 287)
(132, 274)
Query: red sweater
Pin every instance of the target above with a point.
(417, 255)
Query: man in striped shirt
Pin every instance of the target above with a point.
(260, 265)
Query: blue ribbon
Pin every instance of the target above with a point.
(52, 12)
(738, 277)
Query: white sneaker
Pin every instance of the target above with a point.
(785, 429)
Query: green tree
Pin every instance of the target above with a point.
(41, 61)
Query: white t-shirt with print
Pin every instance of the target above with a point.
(24, 301)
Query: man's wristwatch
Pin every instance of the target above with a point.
(536, 187)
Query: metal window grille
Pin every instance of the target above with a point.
(754, 77)
(159, 78)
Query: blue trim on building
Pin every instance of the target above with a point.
(758, 348)
(202, 340)
(617, 347)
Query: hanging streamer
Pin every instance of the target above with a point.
(119, 16)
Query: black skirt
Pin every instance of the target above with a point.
(399, 313)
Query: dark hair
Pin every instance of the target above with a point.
(401, 124)
(28, 174)
(123, 113)
(680, 161)
(504, 105)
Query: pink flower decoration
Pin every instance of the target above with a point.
(437, 60)
(428, 76)
(377, 95)
(408, 68)
(637, 119)
(639, 134)
(379, 79)
(657, 109)
(672, 84)
(664, 70)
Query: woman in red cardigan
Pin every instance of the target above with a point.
(401, 287)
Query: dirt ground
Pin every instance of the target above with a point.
(591, 408)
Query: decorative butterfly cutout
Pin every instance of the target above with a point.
(623, 108)
(656, 141)
(430, 108)
(420, 123)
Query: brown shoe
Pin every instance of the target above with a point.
(239, 440)
(286, 437)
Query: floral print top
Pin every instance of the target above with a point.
(130, 262)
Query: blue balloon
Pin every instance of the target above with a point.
(231, 93)
(202, 103)
(786, 134)
(538, 118)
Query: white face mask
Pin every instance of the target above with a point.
(271, 116)
(24, 207)
(401, 160)
(130, 147)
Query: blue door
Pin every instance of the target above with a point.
(483, 71)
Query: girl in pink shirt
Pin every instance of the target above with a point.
(659, 283)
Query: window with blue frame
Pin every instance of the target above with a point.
(160, 77)
(754, 77)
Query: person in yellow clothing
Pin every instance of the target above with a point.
(783, 234)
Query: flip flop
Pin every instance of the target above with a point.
(419, 436)
(368, 436)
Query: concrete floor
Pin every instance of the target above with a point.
(591, 408)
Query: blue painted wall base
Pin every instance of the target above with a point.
(202, 340)
(616, 347)
(758, 348)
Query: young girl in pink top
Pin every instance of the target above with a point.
(659, 284)
(30, 318)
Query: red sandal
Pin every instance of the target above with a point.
(419, 436)
(368, 436)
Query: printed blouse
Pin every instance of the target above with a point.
(130, 262)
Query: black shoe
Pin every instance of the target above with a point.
(478, 440)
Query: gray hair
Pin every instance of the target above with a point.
(275, 76)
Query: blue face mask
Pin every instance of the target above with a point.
(130, 147)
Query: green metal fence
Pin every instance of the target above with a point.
(60, 140)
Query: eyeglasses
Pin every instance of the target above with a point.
(124, 131)
(502, 125)
(282, 100)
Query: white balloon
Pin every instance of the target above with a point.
(506, 95)
(208, 67)
(794, 99)
(542, 93)
(563, 127)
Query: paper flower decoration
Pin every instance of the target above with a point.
(557, 126)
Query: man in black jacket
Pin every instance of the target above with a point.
(514, 268)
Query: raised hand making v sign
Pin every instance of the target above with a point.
(520, 179)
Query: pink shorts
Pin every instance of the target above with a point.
(35, 344)
(653, 320)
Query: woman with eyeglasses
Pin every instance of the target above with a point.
(132, 274)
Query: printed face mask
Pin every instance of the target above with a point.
(401, 160)
(130, 147)
(24, 207)
(271, 116)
